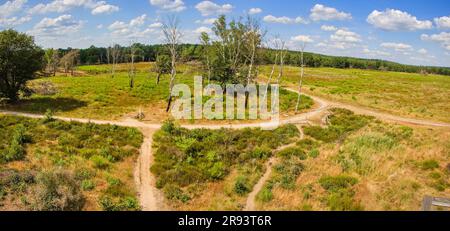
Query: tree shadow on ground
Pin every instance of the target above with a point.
(42, 104)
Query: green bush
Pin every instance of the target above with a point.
(342, 121)
(335, 183)
(314, 153)
(173, 192)
(265, 195)
(108, 203)
(293, 151)
(429, 165)
(48, 117)
(340, 191)
(343, 201)
(287, 171)
(324, 134)
(56, 191)
(15, 152)
(217, 171)
(261, 153)
(87, 185)
(100, 162)
(241, 185)
(307, 144)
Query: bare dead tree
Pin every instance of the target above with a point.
(113, 57)
(254, 37)
(276, 44)
(302, 64)
(172, 36)
(133, 52)
(70, 60)
(55, 61)
(283, 51)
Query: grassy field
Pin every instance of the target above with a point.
(53, 165)
(405, 94)
(359, 163)
(95, 94)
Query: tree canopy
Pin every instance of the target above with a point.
(20, 59)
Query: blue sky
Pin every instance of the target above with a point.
(412, 32)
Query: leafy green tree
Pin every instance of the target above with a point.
(20, 59)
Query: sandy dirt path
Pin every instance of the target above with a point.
(151, 198)
(250, 204)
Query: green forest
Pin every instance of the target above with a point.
(193, 52)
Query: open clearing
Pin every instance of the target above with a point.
(404, 94)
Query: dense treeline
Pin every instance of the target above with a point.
(191, 52)
(318, 60)
(98, 55)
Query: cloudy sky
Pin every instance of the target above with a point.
(412, 32)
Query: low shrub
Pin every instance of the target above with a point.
(307, 144)
(173, 192)
(292, 151)
(335, 183)
(261, 153)
(87, 185)
(429, 165)
(108, 203)
(342, 122)
(241, 185)
(265, 195)
(56, 191)
(100, 162)
(314, 153)
(340, 192)
(343, 200)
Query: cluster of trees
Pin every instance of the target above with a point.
(318, 60)
(20, 60)
(195, 52)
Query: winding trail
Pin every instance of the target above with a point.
(152, 199)
(250, 203)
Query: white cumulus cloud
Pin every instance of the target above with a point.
(207, 8)
(345, 36)
(254, 11)
(375, 53)
(169, 5)
(328, 28)
(104, 8)
(11, 7)
(400, 47)
(443, 38)
(422, 51)
(207, 21)
(60, 6)
(59, 26)
(284, 20)
(302, 38)
(443, 22)
(320, 12)
(396, 20)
